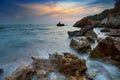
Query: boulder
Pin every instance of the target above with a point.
(82, 32)
(106, 48)
(91, 35)
(74, 33)
(1, 71)
(80, 44)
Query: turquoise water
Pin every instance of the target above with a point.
(20, 42)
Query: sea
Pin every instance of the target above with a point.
(20, 42)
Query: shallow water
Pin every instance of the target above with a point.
(19, 42)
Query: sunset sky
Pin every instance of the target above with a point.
(49, 11)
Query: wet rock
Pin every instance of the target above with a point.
(91, 75)
(99, 39)
(70, 65)
(74, 33)
(91, 35)
(108, 49)
(1, 71)
(71, 78)
(105, 30)
(114, 33)
(80, 44)
(66, 64)
(105, 48)
(82, 32)
(22, 74)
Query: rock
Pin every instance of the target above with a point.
(105, 48)
(80, 44)
(99, 39)
(82, 32)
(105, 30)
(71, 78)
(91, 75)
(67, 64)
(74, 33)
(22, 74)
(112, 21)
(114, 33)
(83, 22)
(91, 35)
(70, 65)
(1, 71)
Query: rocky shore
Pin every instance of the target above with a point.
(69, 65)
(72, 67)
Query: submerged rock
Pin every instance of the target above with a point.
(1, 71)
(80, 44)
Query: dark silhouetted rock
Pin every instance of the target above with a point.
(60, 24)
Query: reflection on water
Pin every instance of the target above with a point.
(19, 42)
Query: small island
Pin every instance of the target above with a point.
(60, 24)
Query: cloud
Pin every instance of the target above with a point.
(47, 10)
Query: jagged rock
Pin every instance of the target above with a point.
(22, 74)
(82, 32)
(70, 65)
(105, 30)
(105, 48)
(1, 71)
(80, 44)
(91, 35)
(83, 22)
(67, 64)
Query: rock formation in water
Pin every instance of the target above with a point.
(107, 48)
(69, 65)
(80, 44)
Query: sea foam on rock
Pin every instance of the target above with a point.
(107, 48)
(80, 44)
(67, 64)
